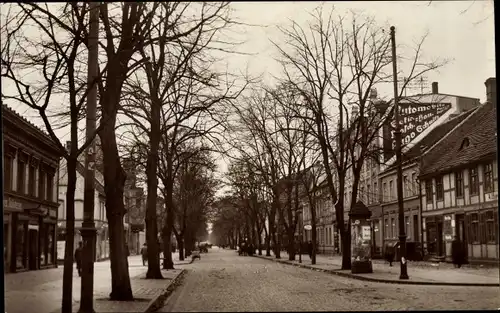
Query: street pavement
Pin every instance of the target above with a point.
(420, 272)
(224, 281)
(43, 289)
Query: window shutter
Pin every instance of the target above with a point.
(467, 230)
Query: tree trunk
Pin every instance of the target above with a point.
(168, 262)
(67, 292)
(345, 238)
(114, 178)
(114, 181)
(268, 245)
(291, 244)
(314, 236)
(180, 243)
(154, 271)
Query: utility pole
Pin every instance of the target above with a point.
(88, 230)
(397, 135)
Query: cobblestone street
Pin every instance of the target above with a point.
(224, 281)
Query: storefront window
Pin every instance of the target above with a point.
(21, 258)
(43, 241)
(50, 243)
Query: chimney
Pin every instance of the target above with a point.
(373, 93)
(435, 88)
(68, 146)
(491, 90)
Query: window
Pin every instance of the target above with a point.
(376, 193)
(488, 177)
(31, 181)
(428, 190)
(474, 227)
(473, 182)
(459, 184)
(50, 243)
(490, 226)
(41, 184)
(391, 191)
(386, 228)
(50, 187)
(21, 246)
(368, 194)
(363, 194)
(385, 195)
(439, 188)
(413, 184)
(7, 174)
(393, 228)
(21, 175)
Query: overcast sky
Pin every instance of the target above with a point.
(460, 30)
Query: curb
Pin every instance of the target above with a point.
(378, 280)
(157, 302)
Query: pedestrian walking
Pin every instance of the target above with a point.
(144, 253)
(457, 253)
(78, 258)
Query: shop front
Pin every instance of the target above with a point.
(29, 235)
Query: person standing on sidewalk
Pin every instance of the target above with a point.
(78, 258)
(144, 253)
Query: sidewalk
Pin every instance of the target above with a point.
(43, 289)
(421, 273)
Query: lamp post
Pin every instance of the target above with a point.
(300, 236)
(88, 230)
(397, 135)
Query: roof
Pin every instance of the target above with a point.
(20, 121)
(480, 131)
(432, 138)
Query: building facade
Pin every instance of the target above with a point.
(31, 165)
(100, 219)
(460, 187)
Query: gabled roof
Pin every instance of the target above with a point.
(432, 138)
(480, 132)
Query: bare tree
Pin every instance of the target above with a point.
(42, 72)
(332, 61)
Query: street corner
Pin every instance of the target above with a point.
(176, 278)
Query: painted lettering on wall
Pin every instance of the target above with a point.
(415, 118)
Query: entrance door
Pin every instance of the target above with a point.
(440, 238)
(460, 233)
(33, 249)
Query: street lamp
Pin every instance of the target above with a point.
(397, 135)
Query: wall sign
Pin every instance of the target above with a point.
(415, 118)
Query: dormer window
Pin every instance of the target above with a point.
(465, 143)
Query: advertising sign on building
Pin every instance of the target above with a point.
(415, 118)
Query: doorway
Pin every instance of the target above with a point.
(440, 238)
(33, 249)
(461, 234)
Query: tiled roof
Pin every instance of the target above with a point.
(432, 138)
(480, 130)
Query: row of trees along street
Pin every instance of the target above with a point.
(165, 102)
(311, 130)
(162, 101)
